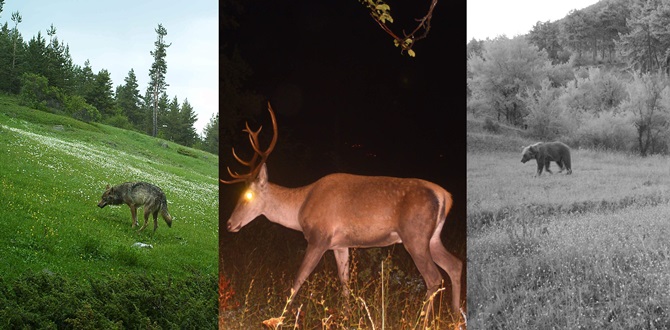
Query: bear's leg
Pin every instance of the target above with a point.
(560, 165)
(546, 167)
(540, 166)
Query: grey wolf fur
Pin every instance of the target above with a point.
(548, 152)
(137, 194)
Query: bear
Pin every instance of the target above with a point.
(546, 152)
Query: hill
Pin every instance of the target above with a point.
(57, 242)
(481, 139)
(586, 250)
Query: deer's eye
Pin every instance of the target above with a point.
(249, 195)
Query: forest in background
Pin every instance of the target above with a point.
(596, 78)
(41, 72)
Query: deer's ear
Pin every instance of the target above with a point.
(263, 176)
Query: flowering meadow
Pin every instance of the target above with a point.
(53, 171)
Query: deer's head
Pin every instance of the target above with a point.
(251, 204)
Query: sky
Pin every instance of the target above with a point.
(492, 18)
(118, 36)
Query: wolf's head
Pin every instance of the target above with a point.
(110, 196)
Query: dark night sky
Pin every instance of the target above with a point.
(335, 80)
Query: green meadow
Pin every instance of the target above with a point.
(65, 263)
(583, 251)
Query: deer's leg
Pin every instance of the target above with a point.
(312, 257)
(342, 258)
(452, 265)
(420, 252)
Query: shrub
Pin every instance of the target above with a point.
(34, 91)
(77, 107)
(119, 121)
(546, 118)
(608, 131)
(491, 126)
(187, 152)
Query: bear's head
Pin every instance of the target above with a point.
(529, 152)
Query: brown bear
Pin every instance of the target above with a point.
(546, 152)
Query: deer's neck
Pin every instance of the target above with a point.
(283, 205)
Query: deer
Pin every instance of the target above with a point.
(342, 211)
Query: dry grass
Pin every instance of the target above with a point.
(383, 296)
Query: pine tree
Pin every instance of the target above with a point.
(5, 59)
(178, 123)
(36, 55)
(157, 84)
(58, 65)
(84, 79)
(16, 18)
(128, 99)
(101, 95)
(169, 119)
(187, 118)
(211, 135)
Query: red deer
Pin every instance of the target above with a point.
(342, 211)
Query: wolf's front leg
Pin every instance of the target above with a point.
(133, 214)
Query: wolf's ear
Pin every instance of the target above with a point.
(107, 188)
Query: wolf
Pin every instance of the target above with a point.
(548, 152)
(137, 194)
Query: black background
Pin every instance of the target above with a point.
(348, 101)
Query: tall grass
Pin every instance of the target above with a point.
(387, 292)
(581, 251)
(500, 185)
(54, 170)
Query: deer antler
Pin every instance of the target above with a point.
(255, 164)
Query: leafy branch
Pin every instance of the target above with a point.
(381, 13)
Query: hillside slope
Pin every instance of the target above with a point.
(53, 171)
(481, 140)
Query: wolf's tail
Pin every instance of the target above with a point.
(164, 213)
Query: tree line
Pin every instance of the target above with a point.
(41, 72)
(596, 78)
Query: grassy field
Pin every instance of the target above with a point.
(53, 170)
(387, 290)
(581, 251)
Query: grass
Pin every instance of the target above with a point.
(583, 251)
(54, 170)
(386, 293)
